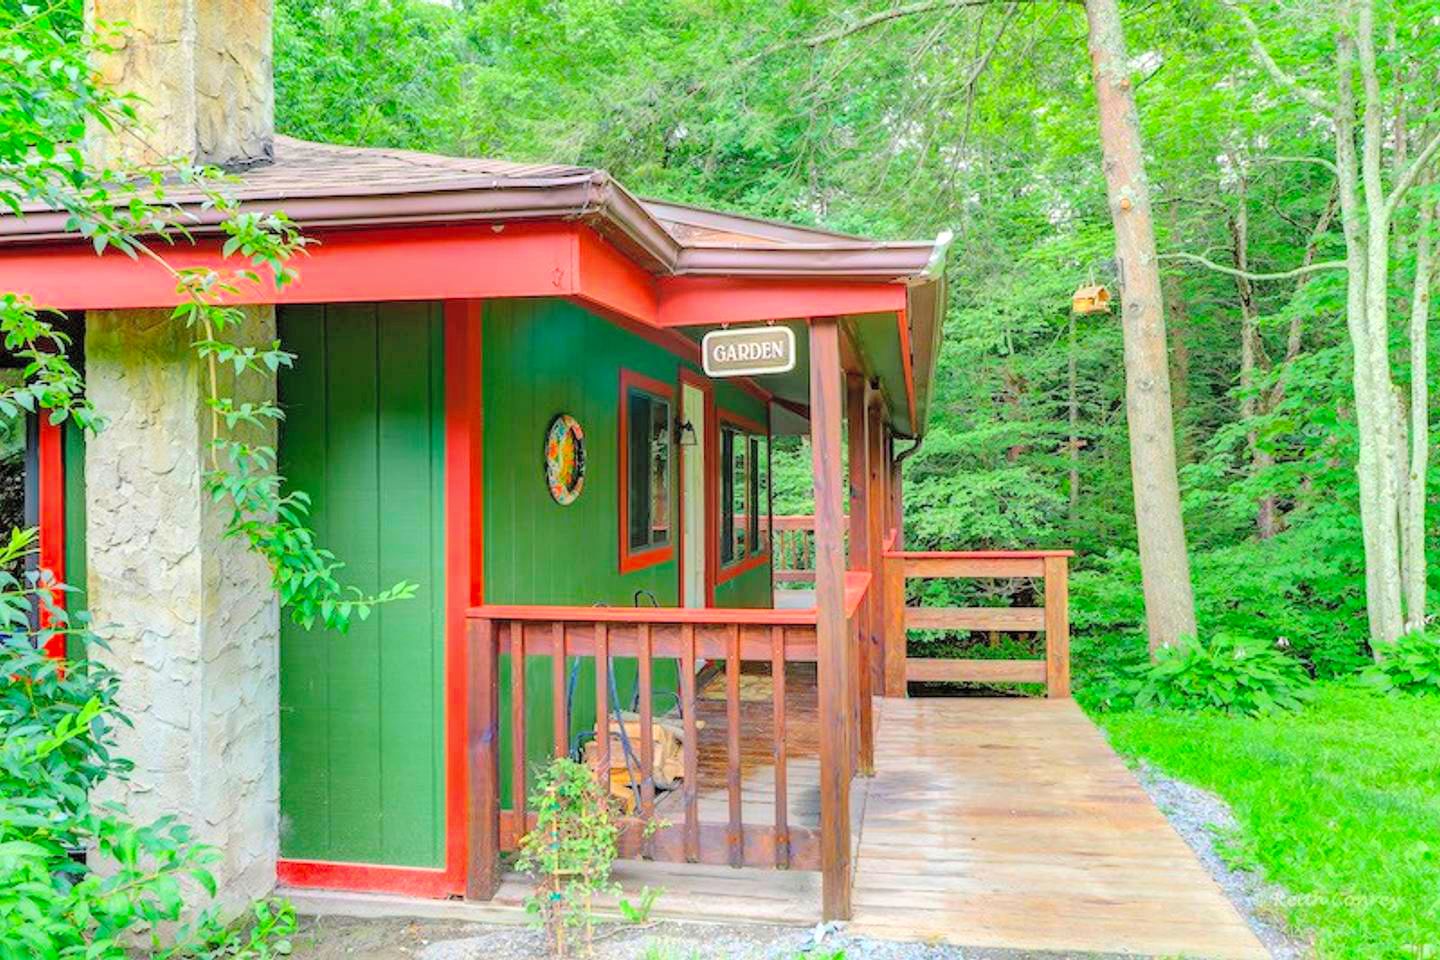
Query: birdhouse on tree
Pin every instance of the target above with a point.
(1088, 300)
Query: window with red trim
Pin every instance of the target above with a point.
(744, 494)
(647, 448)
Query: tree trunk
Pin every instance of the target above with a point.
(1164, 561)
(1174, 295)
(1368, 254)
(1074, 434)
(1412, 547)
(1267, 517)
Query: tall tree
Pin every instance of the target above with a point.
(1164, 558)
(1369, 213)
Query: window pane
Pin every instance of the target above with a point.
(637, 464)
(764, 508)
(727, 496)
(659, 472)
(648, 455)
(740, 492)
(757, 500)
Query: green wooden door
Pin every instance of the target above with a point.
(362, 775)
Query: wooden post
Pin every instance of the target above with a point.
(861, 557)
(895, 636)
(879, 507)
(831, 637)
(482, 868)
(1057, 627)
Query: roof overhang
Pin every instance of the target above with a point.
(694, 265)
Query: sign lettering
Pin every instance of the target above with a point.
(748, 351)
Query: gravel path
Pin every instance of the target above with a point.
(348, 939)
(1202, 818)
(695, 941)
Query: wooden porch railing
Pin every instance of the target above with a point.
(793, 549)
(726, 636)
(1052, 619)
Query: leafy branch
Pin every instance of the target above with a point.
(127, 208)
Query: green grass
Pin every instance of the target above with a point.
(1339, 804)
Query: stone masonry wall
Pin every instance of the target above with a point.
(191, 618)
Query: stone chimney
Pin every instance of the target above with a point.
(193, 619)
(204, 69)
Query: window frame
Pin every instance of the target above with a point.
(757, 439)
(632, 559)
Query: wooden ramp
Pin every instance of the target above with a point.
(991, 823)
(1011, 823)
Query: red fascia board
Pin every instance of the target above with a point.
(430, 263)
(707, 301)
(608, 278)
(908, 363)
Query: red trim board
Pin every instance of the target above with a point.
(691, 301)
(409, 881)
(51, 488)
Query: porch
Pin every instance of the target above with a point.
(990, 822)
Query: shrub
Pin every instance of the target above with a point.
(1234, 675)
(60, 718)
(1412, 665)
(570, 851)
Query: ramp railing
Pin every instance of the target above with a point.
(1052, 618)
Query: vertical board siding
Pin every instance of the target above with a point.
(362, 741)
(542, 358)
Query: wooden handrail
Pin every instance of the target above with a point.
(857, 582)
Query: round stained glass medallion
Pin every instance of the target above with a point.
(565, 459)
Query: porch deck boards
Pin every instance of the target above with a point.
(990, 823)
(1010, 823)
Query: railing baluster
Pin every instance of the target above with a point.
(518, 792)
(557, 661)
(690, 791)
(602, 705)
(647, 730)
(734, 835)
(782, 798)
